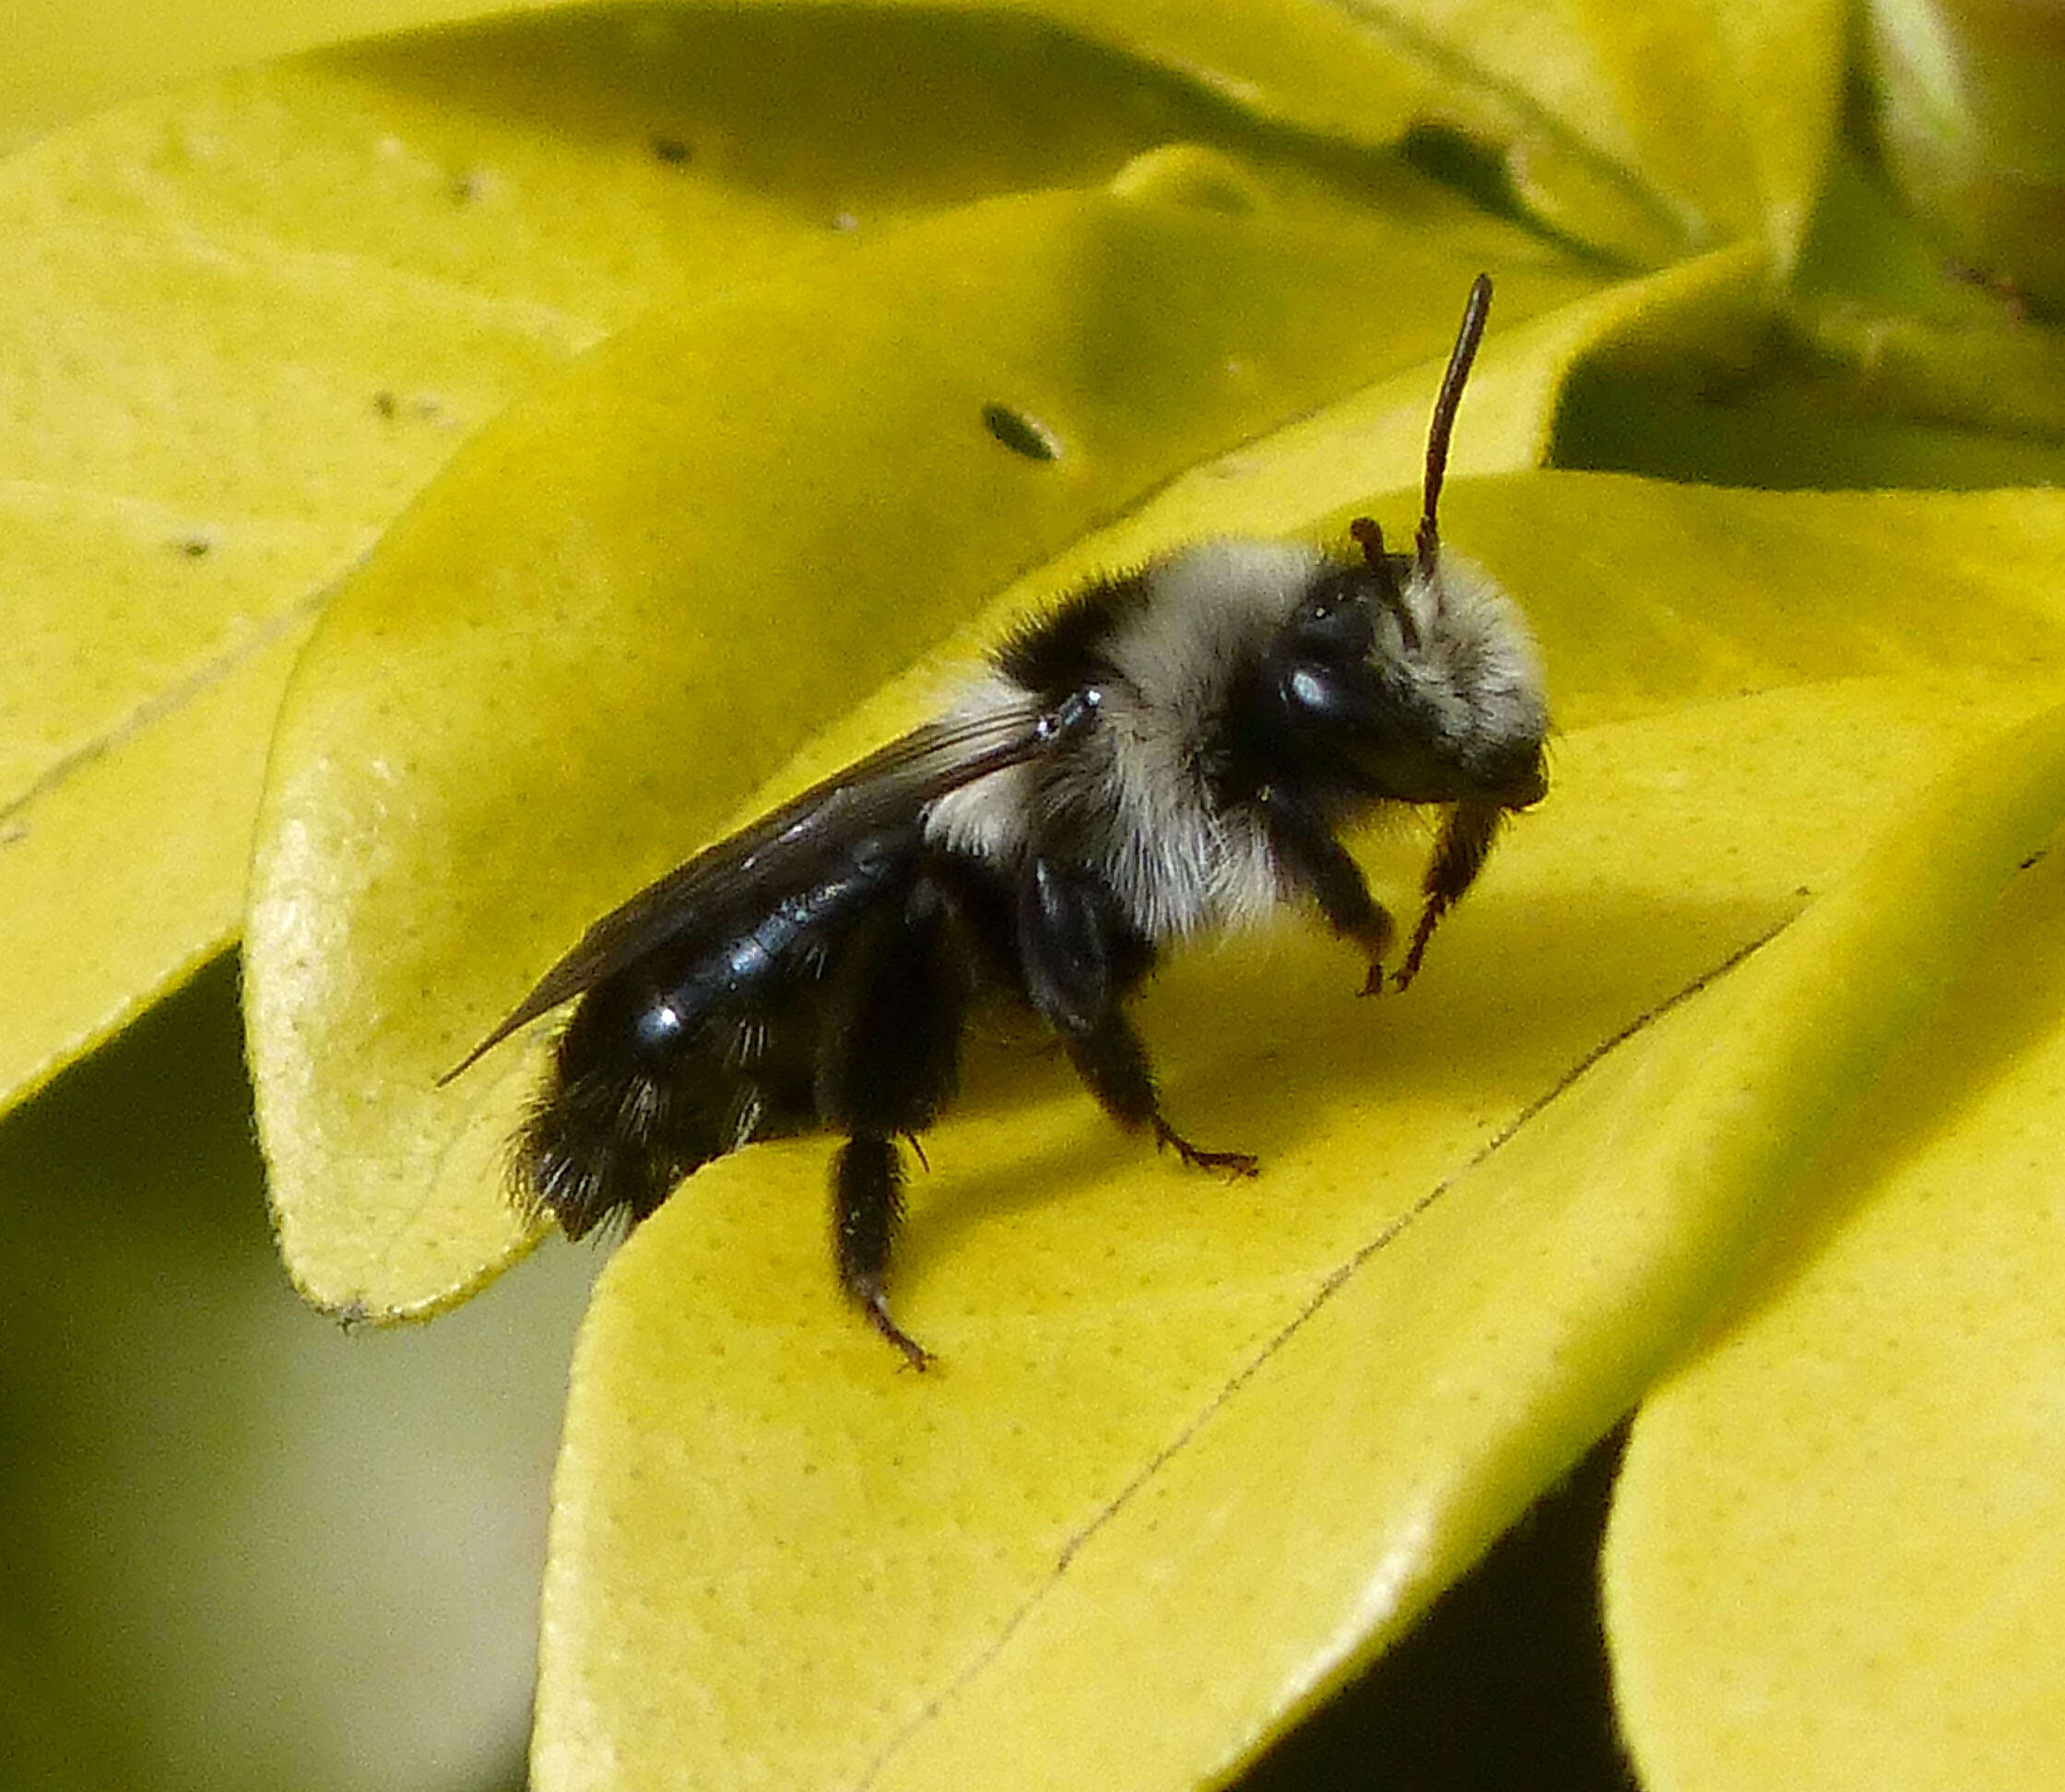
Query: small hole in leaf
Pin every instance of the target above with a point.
(1022, 434)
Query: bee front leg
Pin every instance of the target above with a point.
(1459, 854)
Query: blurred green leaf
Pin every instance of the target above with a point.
(244, 1550)
(1962, 96)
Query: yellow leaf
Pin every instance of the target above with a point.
(64, 62)
(1833, 1559)
(232, 353)
(1646, 134)
(630, 604)
(245, 323)
(1195, 1453)
(1964, 110)
(1234, 1438)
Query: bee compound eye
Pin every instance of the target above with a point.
(1318, 695)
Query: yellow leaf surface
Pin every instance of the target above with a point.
(223, 372)
(243, 324)
(1600, 142)
(66, 61)
(1645, 134)
(1196, 1452)
(1833, 1556)
(625, 607)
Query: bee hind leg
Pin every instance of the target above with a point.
(891, 1061)
(868, 1208)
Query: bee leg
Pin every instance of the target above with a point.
(1112, 1059)
(1306, 847)
(890, 1060)
(868, 1208)
(1459, 854)
(1079, 958)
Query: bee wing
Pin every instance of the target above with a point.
(743, 876)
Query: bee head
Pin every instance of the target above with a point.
(1412, 678)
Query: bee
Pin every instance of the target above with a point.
(1172, 751)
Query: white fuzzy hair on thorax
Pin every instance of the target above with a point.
(1210, 611)
(1179, 861)
(1134, 791)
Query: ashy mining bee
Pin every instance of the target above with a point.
(1171, 751)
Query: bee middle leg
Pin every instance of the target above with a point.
(1079, 959)
(891, 1060)
(1111, 1058)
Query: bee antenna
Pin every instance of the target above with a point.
(1369, 535)
(1428, 540)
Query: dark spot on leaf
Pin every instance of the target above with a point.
(1022, 434)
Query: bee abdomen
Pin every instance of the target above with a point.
(668, 1065)
(609, 1142)
(617, 1125)
(726, 972)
